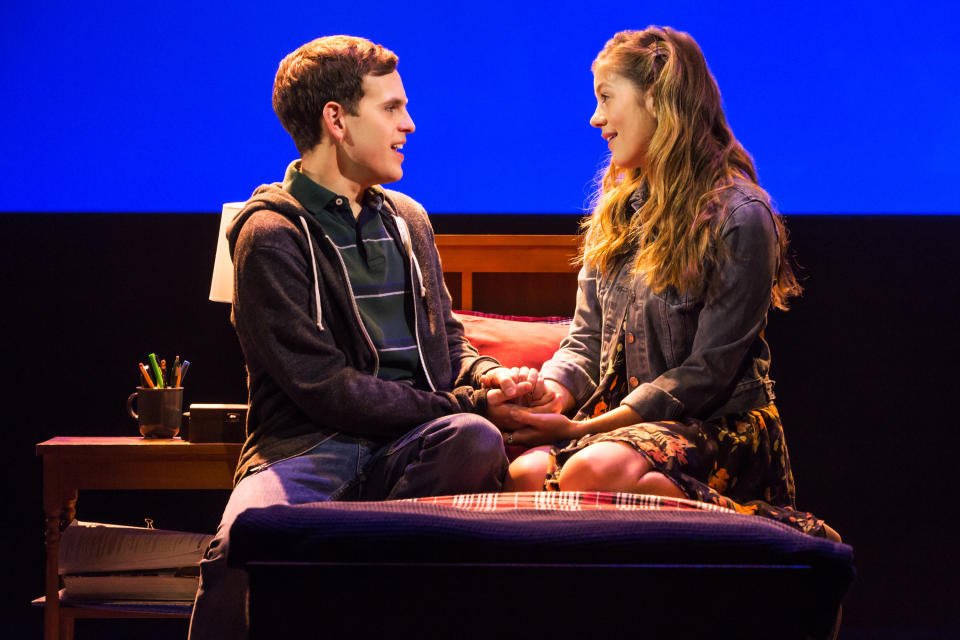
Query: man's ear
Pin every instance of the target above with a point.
(333, 120)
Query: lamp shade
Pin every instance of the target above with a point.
(221, 285)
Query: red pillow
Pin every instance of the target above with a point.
(515, 343)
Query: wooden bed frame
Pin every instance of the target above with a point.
(511, 274)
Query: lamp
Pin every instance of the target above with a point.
(221, 285)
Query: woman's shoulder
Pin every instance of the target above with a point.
(743, 192)
(746, 205)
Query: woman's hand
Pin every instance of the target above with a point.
(536, 428)
(541, 428)
(555, 398)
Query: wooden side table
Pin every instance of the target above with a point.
(74, 464)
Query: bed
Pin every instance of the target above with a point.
(563, 564)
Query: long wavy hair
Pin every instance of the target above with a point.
(692, 158)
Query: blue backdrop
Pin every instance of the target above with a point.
(165, 107)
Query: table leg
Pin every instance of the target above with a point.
(59, 506)
(66, 625)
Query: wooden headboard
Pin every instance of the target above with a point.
(529, 275)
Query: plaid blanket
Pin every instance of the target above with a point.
(570, 501)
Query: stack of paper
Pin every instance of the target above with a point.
(112, 562)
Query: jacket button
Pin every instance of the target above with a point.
(633, 381)
(630, 338)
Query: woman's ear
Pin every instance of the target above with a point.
(333, 120)
(649, 103)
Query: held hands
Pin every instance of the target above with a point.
(528, 415)
(529, 410)
(507, 380)
(510, 388)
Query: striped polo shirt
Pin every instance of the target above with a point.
(377, 270)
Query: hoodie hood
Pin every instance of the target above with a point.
(271, 197)
(274, 198)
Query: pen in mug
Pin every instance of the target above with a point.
(146, 376)
(183, 371)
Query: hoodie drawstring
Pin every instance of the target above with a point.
(316, 280)
(405, 236)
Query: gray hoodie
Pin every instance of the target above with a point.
(311, 365)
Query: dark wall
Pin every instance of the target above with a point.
(864, 362)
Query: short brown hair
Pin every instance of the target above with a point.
(324, 70)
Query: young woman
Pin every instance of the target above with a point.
(683, 256)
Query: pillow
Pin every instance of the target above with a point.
(516, 341)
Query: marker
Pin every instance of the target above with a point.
(146, 376)
(183, 371)
(156, 370)
(175, 371)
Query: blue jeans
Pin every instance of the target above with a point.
(459, 453)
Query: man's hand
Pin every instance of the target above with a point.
(500, 408)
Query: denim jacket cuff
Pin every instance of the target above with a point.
(577, 381)
(653, 403)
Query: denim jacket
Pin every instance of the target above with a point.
(693, 354)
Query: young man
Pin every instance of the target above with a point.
(361, 383)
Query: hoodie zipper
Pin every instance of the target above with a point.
(416, 330)
(416, 284)
(356, 310)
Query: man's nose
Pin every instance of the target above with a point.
(407, 124)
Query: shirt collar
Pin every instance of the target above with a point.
(319, 200)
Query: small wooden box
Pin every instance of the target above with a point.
(215, 423)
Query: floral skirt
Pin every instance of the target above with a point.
(738, 461)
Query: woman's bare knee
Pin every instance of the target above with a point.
(528, 471)
(655, 483)
(604, 466)
(614, 466)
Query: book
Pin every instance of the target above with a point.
(115, 562)
(90, 547)
(167, 585)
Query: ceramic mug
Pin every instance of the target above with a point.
(158, 411)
